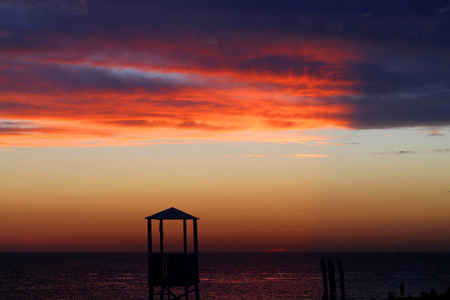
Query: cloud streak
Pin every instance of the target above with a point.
(307, 155)
(274, 155)
(402, 152)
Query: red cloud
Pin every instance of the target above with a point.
(127, 87)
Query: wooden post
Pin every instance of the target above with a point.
(323, 266)
(184, 237)
(149, 258)
(186, 274)
(332, 279)
(161, 237)
(161, 250)
(341, 278)
(195, 237)
(197, 290)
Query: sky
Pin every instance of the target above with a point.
(299, 125)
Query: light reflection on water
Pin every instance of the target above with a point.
(222, 275)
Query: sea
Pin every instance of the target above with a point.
(278, 275)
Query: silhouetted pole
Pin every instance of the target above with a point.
(341, 278)
(161, 237)
(197, 290)
(332, 279)
(186, 288)
(161, 250)
(323, 266)
(149, 258)
(184, 237)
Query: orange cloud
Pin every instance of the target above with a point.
(177, 85)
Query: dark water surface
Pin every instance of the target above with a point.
(222, 275)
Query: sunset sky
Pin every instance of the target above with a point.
(301, 125)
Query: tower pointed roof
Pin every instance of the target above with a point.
(172, 214)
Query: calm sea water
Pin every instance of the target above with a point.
(222, 275)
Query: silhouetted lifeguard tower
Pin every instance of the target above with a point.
(172, 270)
